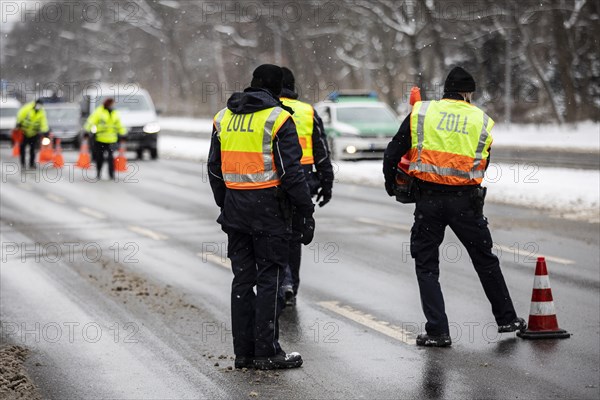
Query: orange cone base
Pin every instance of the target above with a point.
(535, 335)
(84, 161)
(58, 161)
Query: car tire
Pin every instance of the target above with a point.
(140, 154)
(154, 154)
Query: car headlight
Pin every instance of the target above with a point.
(351, 149)
(152, 127)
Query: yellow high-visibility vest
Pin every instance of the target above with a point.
(105, 125)
(450, 142)
(304, 117)
(247, 147)
(32, 121)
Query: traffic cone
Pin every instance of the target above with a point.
(542, 315)
(17, 138)
(46, 152)
(58, 159)
(121, 160)
(415, 95)
(84, 161)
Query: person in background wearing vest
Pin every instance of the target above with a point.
(255, 175)
(105, 124)
(31, 118)
(316, 163)
(447, 143)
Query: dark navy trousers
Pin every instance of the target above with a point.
(434, 211)
(257, 261)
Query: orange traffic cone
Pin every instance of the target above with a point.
(542, 315)
(121, 160)
(84, 161)
(46, 152)
(58, 159)
(16, 151)
(415, 95)
(17, 138)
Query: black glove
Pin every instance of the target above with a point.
(325, 193)
(389, 188)
(308, 230)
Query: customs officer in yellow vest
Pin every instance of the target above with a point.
(447, 143)
(316, 162)
(255, 175)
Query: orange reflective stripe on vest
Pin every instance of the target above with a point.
(450, 142)
(246, 147)
(304, 118)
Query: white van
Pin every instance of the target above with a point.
(9, 107)
(137, 113)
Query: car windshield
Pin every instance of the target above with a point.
(8, 112)
(134, 102)
(62, 116)
(357, 114)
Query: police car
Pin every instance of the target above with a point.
(9, 108)
(136, 110)
(358, 125)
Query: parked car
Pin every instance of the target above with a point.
(137, 112)
(358, 125)
(9, 108)
(64, 120)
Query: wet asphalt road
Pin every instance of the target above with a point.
(121, 290)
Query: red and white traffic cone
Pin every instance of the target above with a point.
(46, 151)
(17, 138)
(58, 159)
(121, 160)
(84, 161)
(542, 315)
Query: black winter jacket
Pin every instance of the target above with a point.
(259, 211)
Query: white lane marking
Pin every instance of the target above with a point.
(215, 259)
(384, 224)
(176, 182)
(147, 232)
(369, 321)
(91, 213)
(526, 254)
(55, 198)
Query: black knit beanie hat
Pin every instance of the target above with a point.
(289, 82)
(268, 76)
(459, 80)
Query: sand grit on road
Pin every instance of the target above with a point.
(14, 381)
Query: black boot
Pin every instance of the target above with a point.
(427, 340)
(244, 362)
(517, 324)
(279, 361)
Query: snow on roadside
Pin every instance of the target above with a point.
(183, 147)
(571, 193)
(583, 136)
(186, 124)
